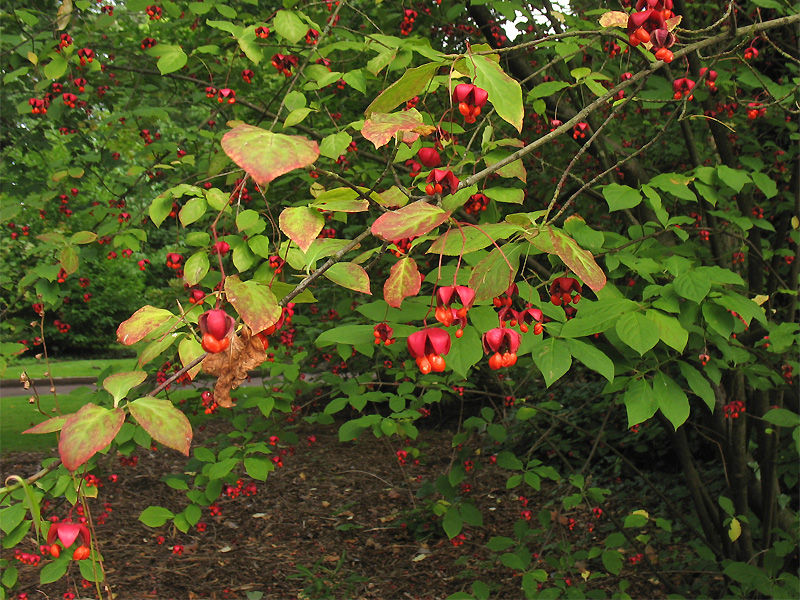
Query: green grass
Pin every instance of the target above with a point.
(17, 415)
(36, 369)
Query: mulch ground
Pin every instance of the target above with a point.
(327, 524)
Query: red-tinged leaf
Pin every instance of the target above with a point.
(492, 276)
(254, 302)
(68, 259)
(349, 275)
(165, 423)
(49, 426)
(413, 220)
(266, 155)
(580, 261)
(404, 281)
(119, 384)
(143, 322)
(614, 18)
(380, 128)
(87, 432)
(190, 349)
(393, 198)
(412, 83)
(301, 225)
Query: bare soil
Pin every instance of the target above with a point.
(335, 509)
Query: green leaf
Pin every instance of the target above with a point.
(160, 209)
(675, 184)
(452, 523)
(192, 211)
(404, 281)
(553, 359)
(466, 352)
(246, 219)
(670, 330)
(596, 317)
(254, 302)
(119, 384)
(698, 384)
(349, 275)
(548, 88)
(335, 145)
(247, 42)
(612, 561)
(734, 179)
(672, 402)
(190, 349)
(266, 155)
(580, 261)
(413, 220)
(412, 83)
(289, 26)
(258, 468)
(171, 58)
(782, 417)
(155, 516)
(222, 468)
(637, 331)
(593, 358)
(500, 543)
(692, 286)
(380, 128)
(55, 570)
(347, 334)
(297, 116)
(505, 93)
(765, 183)
(492, 275)
(163, 421)
(56, 68)
(86, 432)
(640, 402)
(620, 197)
(196, 267)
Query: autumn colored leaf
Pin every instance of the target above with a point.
(413, 220)
(49, 426)
(380, 128)
(614, 18)
(580, 261)
(142, 323)
(254, 302)
(404, 281)
(350, 276)
(301, 225)
(266, 155)
(87, 432)
(165, 423)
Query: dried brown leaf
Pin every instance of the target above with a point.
(246, 352)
